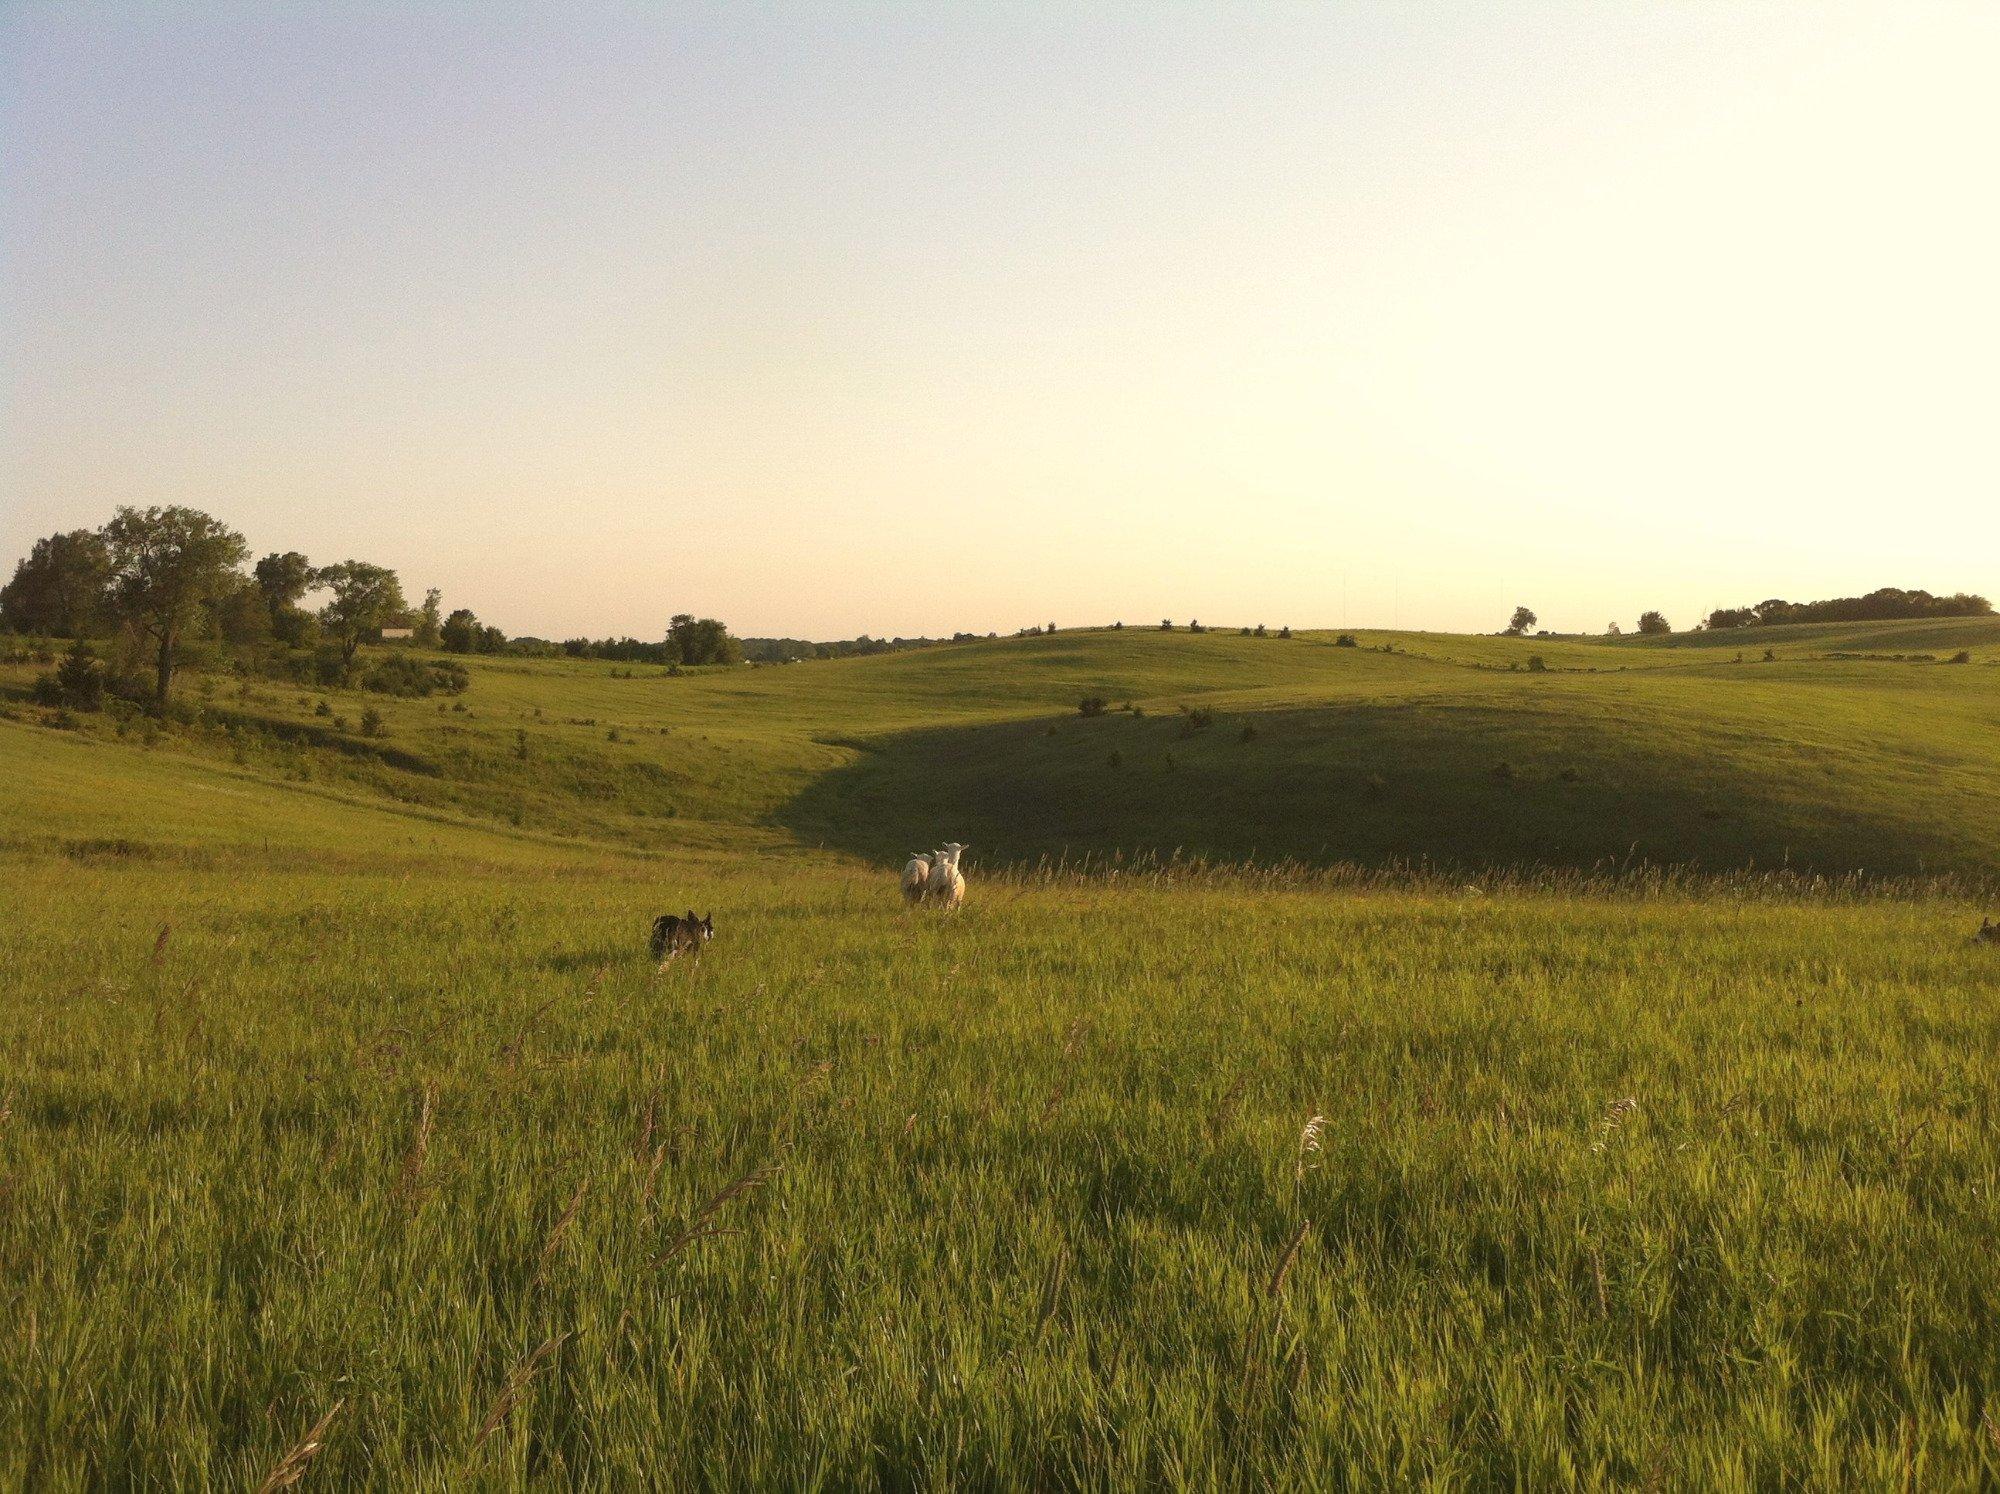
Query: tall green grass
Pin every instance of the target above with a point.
(1667, 1189)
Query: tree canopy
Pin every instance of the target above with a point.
(167, 564)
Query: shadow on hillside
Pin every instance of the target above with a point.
(1453, 785)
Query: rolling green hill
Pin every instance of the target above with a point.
(1460, 751)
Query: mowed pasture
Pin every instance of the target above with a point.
(324, 1107)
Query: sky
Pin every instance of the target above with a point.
(909, 319)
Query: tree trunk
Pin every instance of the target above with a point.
(164, 678)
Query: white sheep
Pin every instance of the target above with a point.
(946, 883)
(916, 878)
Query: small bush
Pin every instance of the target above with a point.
(1345, 640)
(322, 709)
(1963, 656)
(1091, 705)
(372, 724)
(1198, 718)
(340, 723)
(1535, 664)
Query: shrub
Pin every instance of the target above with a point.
(1535, 664)
(372, 724)
(1091, 705)
(1198, 719)
(322, 709)
(1345, 640)
(1285, 632)
(1260, 630)
(1166, 625)
(408, 676)
(77, 683)
(1963, 656)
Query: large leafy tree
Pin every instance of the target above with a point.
(283, 579)
(1524, 618)
(703, 640)
(1654, 623)
(459, 633)
(365, 598)
(429, 627)
(167, 564)
(60, 588)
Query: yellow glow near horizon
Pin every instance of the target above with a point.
(899, 323)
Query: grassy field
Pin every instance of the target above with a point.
(334, 1082)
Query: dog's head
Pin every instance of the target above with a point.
(704, 927)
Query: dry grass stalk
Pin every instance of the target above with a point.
(701, 1226)
(1614, 1119)
(292, 1467)
(160, 943)
(649, 1126)
(1277, 1282)
(1309, 1148)
(409, 1183)
(554, 1241)
(518, 1380)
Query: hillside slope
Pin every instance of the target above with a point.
(1454, 750)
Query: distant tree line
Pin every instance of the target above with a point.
(689, 640)
(1890, 604)
(791, 650)
(162, 584)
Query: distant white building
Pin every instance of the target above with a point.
(398, 635)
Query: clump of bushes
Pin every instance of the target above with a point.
(1092, 705)
(408, 676)
(1345, 640)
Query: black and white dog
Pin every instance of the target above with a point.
(671, 935)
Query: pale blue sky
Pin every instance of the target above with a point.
(825, 319)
